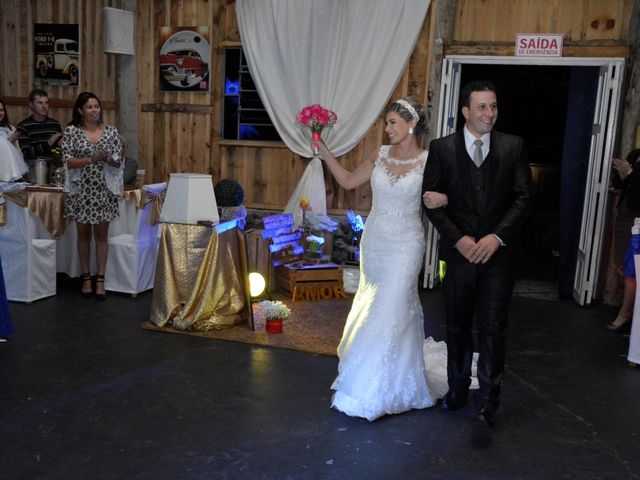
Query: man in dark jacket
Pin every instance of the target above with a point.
(487, 179)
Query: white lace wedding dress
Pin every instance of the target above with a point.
(12, 165)
(383, 349)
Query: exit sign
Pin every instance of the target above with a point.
(539, 45)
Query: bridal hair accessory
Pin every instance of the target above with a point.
(411, 110)
(315, 118)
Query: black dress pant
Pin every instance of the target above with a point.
(483, 292)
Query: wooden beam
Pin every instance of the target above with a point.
(56, 103)
(507, 49)
(176, 108)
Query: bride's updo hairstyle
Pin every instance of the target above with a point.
(405, 112)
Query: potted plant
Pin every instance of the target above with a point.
(314, 246)
(274, 313)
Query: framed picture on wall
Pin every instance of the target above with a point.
(56, 49)
(184, 59)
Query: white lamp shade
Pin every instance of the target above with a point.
(118, 31)
(189, 198)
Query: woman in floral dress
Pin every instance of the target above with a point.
(93, 159)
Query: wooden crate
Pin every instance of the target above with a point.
(311, 282)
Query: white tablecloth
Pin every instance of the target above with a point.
(67, 259)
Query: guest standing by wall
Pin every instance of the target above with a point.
(92, 154)
(626, 180)
(38, 132)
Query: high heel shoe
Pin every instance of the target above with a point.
(621, 327)
(100, 296)
(86, 277)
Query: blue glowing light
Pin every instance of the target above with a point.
(231, 88)
(248, 132)
(355, 221)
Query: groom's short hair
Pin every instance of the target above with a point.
(475, 86)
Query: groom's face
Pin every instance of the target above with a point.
(482, 112)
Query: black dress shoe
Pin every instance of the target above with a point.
(485, 417)
(451, 401)
(481, 431)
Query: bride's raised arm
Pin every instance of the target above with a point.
(347, 179)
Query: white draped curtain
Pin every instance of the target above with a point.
(346, 55)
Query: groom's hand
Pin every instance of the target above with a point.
(466, 246)
(484, 249)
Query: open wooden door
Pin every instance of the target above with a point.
(601, 150)
(447, 117)
(596, 194)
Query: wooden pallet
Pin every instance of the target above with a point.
(311, 282)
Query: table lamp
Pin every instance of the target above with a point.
(189, 199)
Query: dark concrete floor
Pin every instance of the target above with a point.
(85, 393)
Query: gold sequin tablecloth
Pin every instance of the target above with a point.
(46, 203)
(199, 282)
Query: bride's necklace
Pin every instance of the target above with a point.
(396, 161)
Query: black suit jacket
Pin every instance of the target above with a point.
(508, 200)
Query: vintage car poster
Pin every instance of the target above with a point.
(56, 50)
(184, 59)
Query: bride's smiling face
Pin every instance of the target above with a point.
(396, 127)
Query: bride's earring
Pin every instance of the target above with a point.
(410, 130)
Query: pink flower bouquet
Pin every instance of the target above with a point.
(316, 118)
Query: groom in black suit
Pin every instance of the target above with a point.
(487, 179)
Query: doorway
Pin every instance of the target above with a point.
(565, 108)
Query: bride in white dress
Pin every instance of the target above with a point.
(382, 351)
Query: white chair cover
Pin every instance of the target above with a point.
(28, 262)
(131, 263)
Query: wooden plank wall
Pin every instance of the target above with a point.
(179, 132)
(579, 20)
(175, 128)
(97, 70)
(190, 142)
(179, 141)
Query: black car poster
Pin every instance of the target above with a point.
(184, 59)
(56, 49)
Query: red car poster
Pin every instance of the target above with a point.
(184, 59)
(56, 50)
